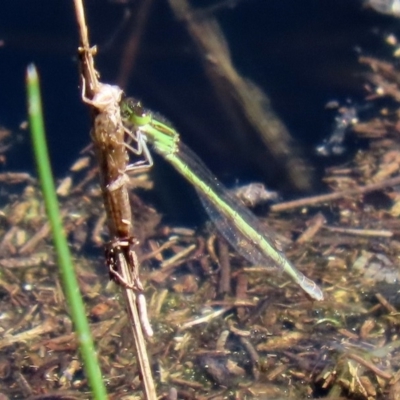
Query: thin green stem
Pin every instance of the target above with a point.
(70, 283)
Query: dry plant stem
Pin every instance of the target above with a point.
(314, 226)
(136, 308)
(385, 303)
(15, 177)
(241, 293)
(254, 357)
(325, 198)
(360, 232)
(24, 262)
(86, 53)
(170, 265)
(369, 365)
(225, 275)
(108, 136)
(23, 337)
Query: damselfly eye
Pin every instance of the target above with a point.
(139, 110)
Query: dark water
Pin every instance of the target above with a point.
(302, 54)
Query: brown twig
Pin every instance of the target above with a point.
(360, 232)
(108, 136)
(225, 272)
(86, 52)
(313, 228)
(385, 303)
(369, 365)
(325, 198)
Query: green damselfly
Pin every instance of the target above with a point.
(238, 225)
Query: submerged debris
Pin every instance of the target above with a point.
(346, 117)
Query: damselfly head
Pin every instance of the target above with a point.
(130, 106)
(133, 112)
